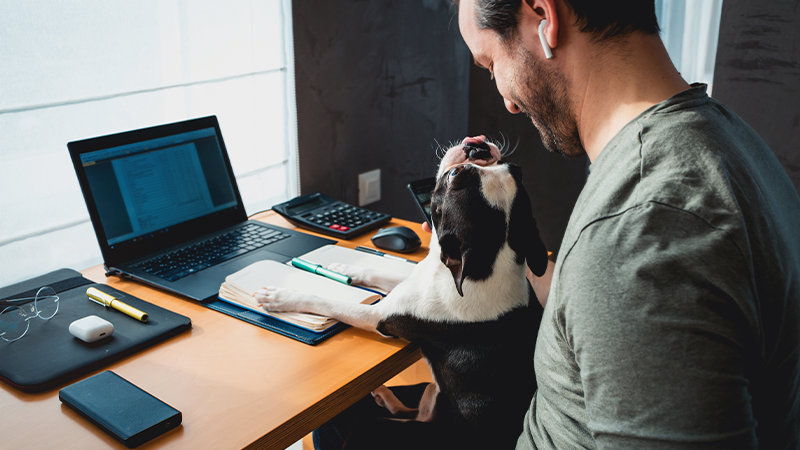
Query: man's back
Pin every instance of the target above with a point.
(673, 313)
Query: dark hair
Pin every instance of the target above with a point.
(604, 18)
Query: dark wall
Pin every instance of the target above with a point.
(378, 83)
(757, 73)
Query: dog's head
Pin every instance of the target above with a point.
(478, 205)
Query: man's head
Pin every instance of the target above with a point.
(504, 37)
(604, 19)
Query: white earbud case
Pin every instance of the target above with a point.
(91, 328)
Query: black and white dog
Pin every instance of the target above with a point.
(467, 305)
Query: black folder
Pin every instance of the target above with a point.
(49, 356)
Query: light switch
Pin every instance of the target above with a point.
(369, 187)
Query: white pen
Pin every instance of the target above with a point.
(385, 255)
(380, 253)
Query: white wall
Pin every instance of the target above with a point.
(79, 69)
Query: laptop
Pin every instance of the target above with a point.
(167, 212)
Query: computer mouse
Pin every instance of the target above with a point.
(397, 239)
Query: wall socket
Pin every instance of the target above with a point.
(369, 187)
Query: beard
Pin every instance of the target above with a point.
(542, 96)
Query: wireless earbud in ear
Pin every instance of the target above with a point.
(547, 52)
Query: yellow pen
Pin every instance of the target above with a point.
(96, 295)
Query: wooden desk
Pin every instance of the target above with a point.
(236, 384)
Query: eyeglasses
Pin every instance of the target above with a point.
(14, 319)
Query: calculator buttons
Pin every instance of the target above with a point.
(323, 214)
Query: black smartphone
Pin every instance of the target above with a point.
(421, 190)
(120, 408)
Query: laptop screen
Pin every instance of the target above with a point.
(149, 189)
(148, 186)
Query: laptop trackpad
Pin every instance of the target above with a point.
(228, 267)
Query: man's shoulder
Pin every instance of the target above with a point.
(681, 156)
(696, 159)
(708, 161)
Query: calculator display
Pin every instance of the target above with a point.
(305, 207)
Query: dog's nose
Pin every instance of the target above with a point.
(476, 148)
(477, 151)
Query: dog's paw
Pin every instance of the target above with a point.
(277, 299)
(367, 277)
(357, 274)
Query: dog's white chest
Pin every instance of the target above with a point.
(429, 293)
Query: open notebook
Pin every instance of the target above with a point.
(239, 287)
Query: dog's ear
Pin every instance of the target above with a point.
(523, 235)
(454, 259)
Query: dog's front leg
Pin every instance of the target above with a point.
(287, 300)
(368, 277)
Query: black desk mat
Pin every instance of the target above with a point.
(48, 356)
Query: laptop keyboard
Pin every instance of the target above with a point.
(188, 260)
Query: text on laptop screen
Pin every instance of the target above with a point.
(145, 187)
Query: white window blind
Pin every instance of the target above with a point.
(690, 31)
(73, 70)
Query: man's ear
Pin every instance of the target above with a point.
(523, 235)
(532, 12)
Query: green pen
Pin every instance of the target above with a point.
(319, 270)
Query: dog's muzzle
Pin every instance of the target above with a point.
(477, 151)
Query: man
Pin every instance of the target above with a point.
(672, 315)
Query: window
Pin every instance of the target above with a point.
(74, 70)
(690, 31)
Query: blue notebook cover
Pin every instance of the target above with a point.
(270, 323)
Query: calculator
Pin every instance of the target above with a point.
(320, 213)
